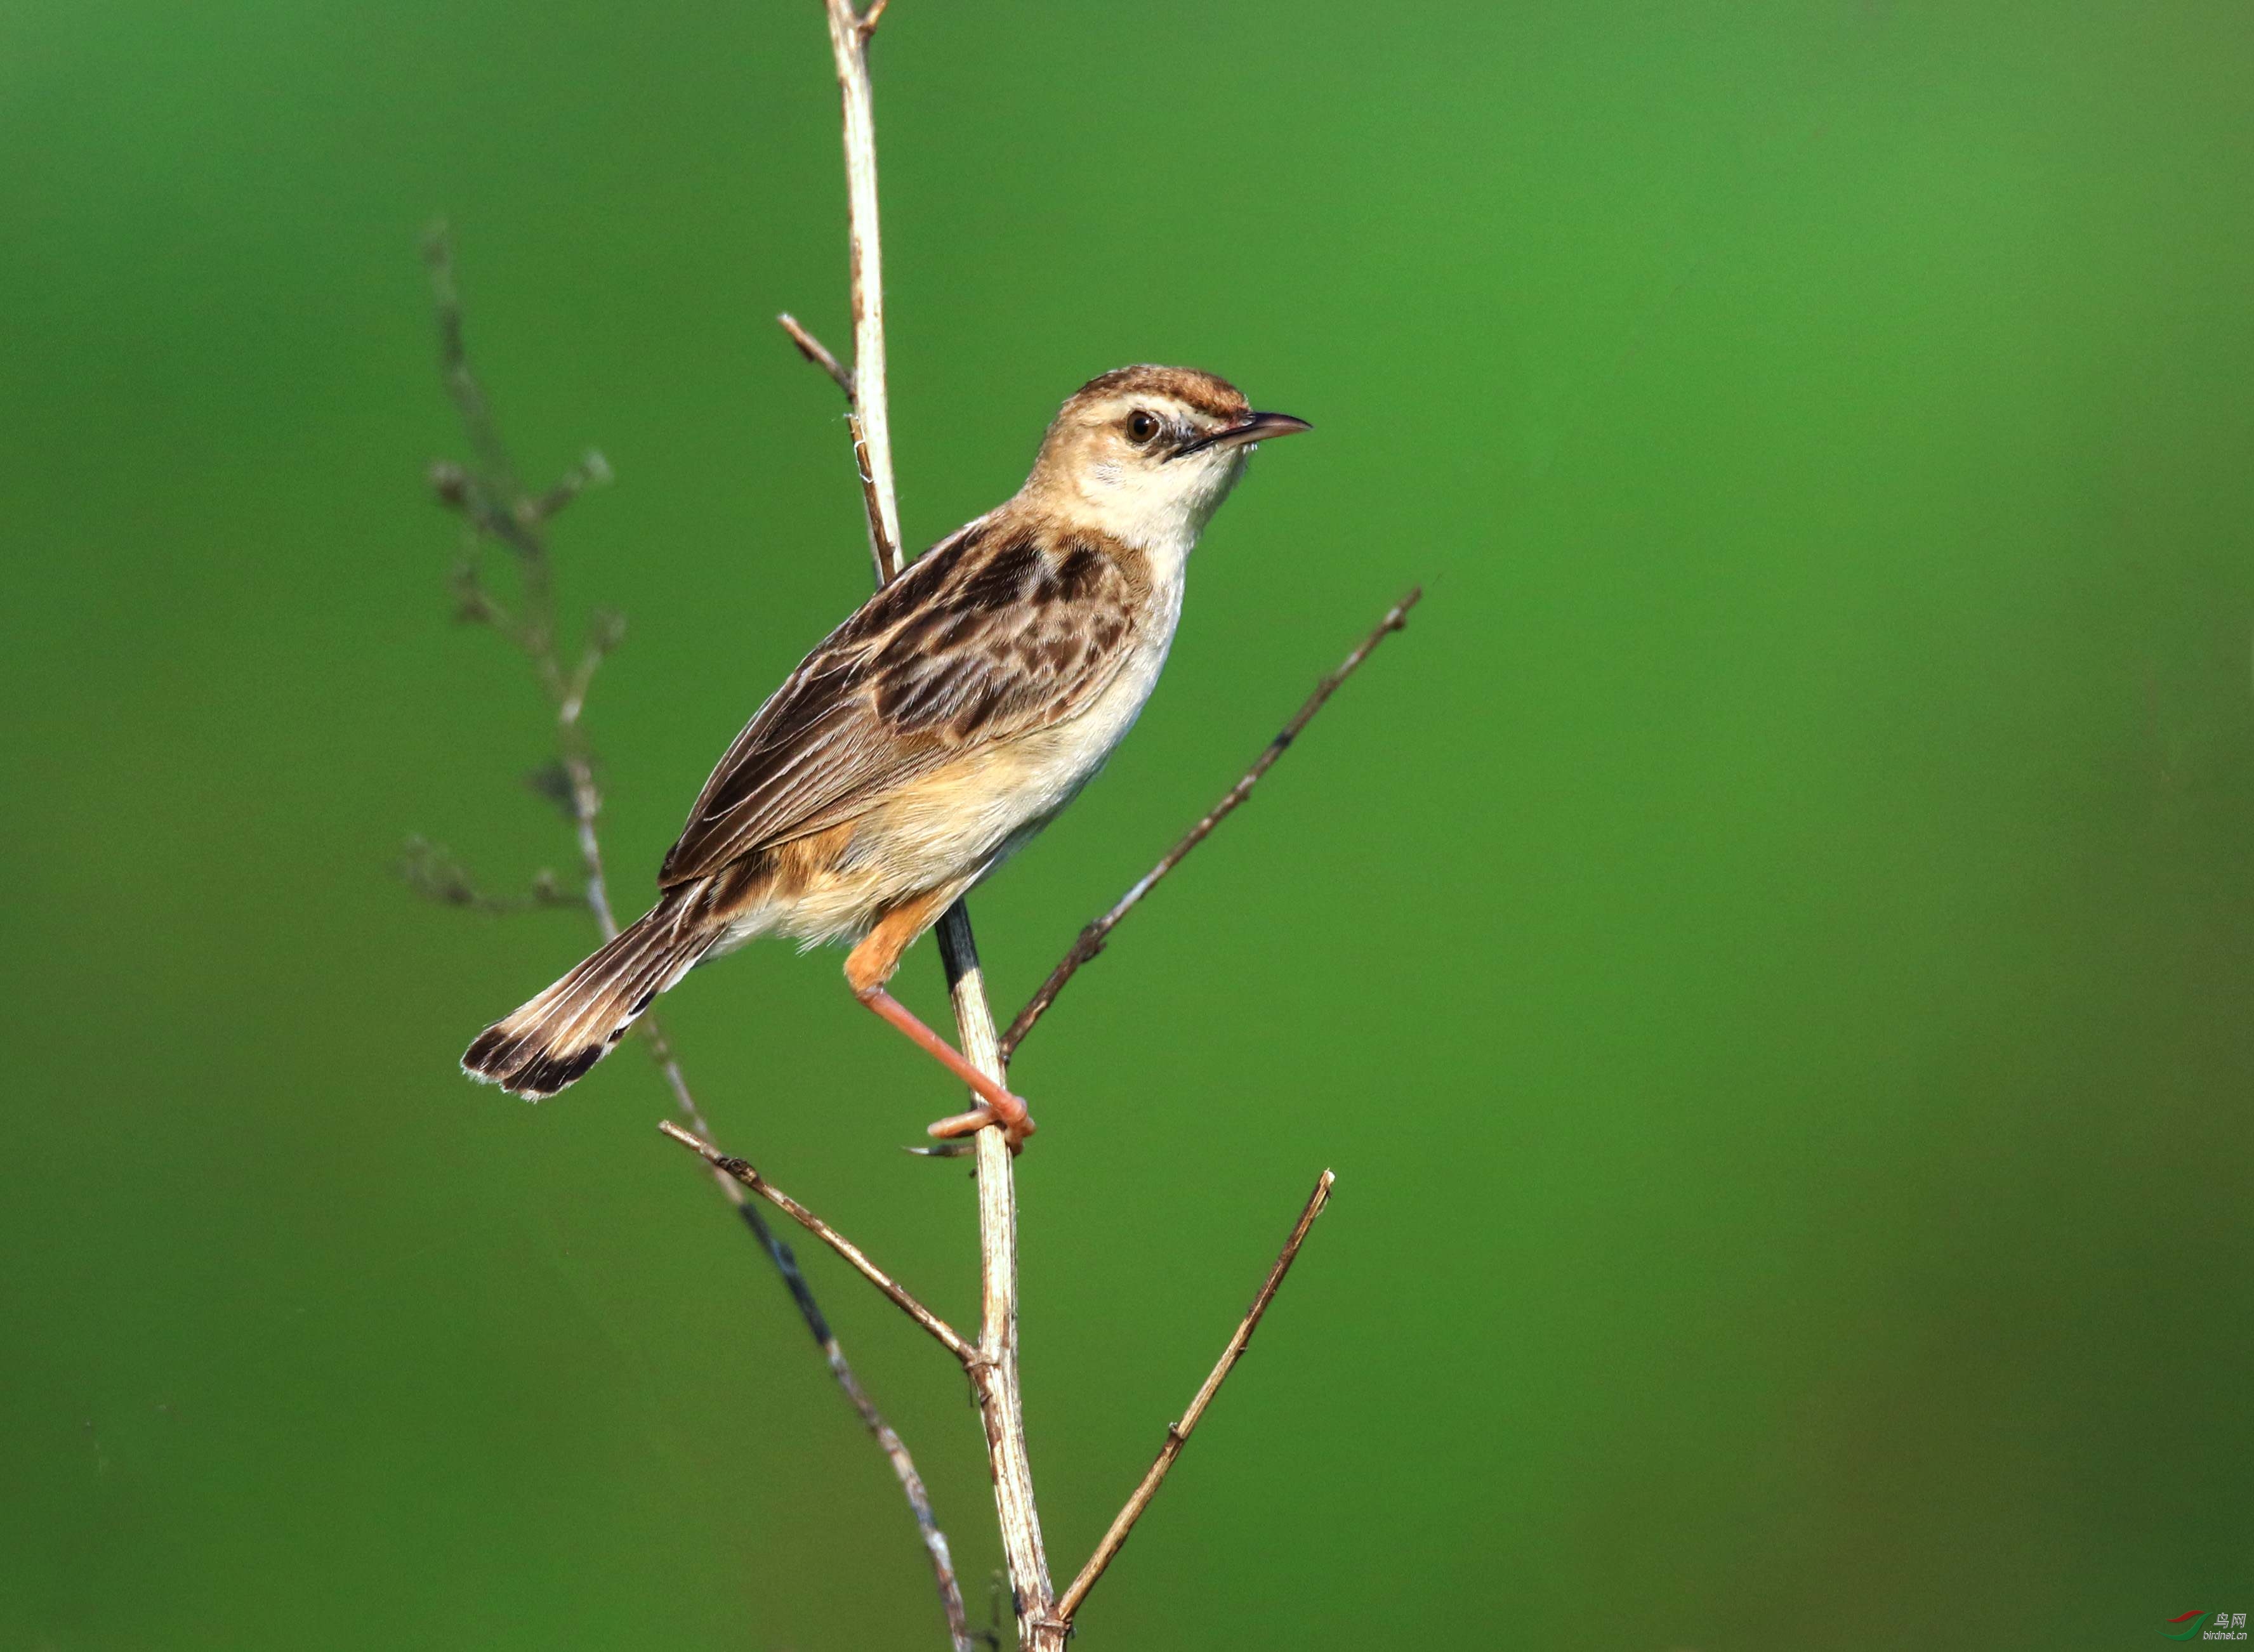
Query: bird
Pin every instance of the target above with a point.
(932, 734)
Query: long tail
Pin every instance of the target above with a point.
(554, 1039)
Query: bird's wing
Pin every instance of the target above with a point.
(991, 634)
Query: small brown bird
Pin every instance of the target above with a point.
(929, 737)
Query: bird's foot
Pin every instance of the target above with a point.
(1017, 1124)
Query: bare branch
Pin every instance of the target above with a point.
(786, 1264)
(801, 1294)
(849, 45)
(1178, 1433)
(1093, 939)
(872, 503)
(934, 1540)
(818, 353)
(893, 1291)
(1000, 1400)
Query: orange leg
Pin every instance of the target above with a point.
(871, 964)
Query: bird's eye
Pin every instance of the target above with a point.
(1141, 427)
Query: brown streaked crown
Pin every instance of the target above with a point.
(1207, 392)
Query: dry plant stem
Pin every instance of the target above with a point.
(885, 554)
(785, 1262)
(1178, 1433)
(818, 353)
(850, 33)
(996, 1376)
(1093, 939)
(894, 1293)
(495, 502)
(1001, 1405)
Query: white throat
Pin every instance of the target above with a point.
(1160, 510)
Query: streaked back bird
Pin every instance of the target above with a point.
(932, 734)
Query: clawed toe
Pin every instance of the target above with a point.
(1013, 1130)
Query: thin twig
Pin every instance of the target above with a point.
(1093, 939)
(1178, 1433)
(936, 1551)
(1040, 1629)
(494, 503)
(894, 1293)
(818, 353)
(888, 561)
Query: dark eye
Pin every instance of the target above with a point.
(1141, 427)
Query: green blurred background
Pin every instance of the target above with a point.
(1767, 952)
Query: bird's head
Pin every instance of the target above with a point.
(1148, 453)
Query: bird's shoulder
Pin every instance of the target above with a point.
(982, 632)
(1012, 624)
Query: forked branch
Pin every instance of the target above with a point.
(894, 1293)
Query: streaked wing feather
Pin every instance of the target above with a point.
(991, 634)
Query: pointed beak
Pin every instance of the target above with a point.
(1254, 427)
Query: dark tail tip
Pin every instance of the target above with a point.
(550, 1043)
(511, 1061)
